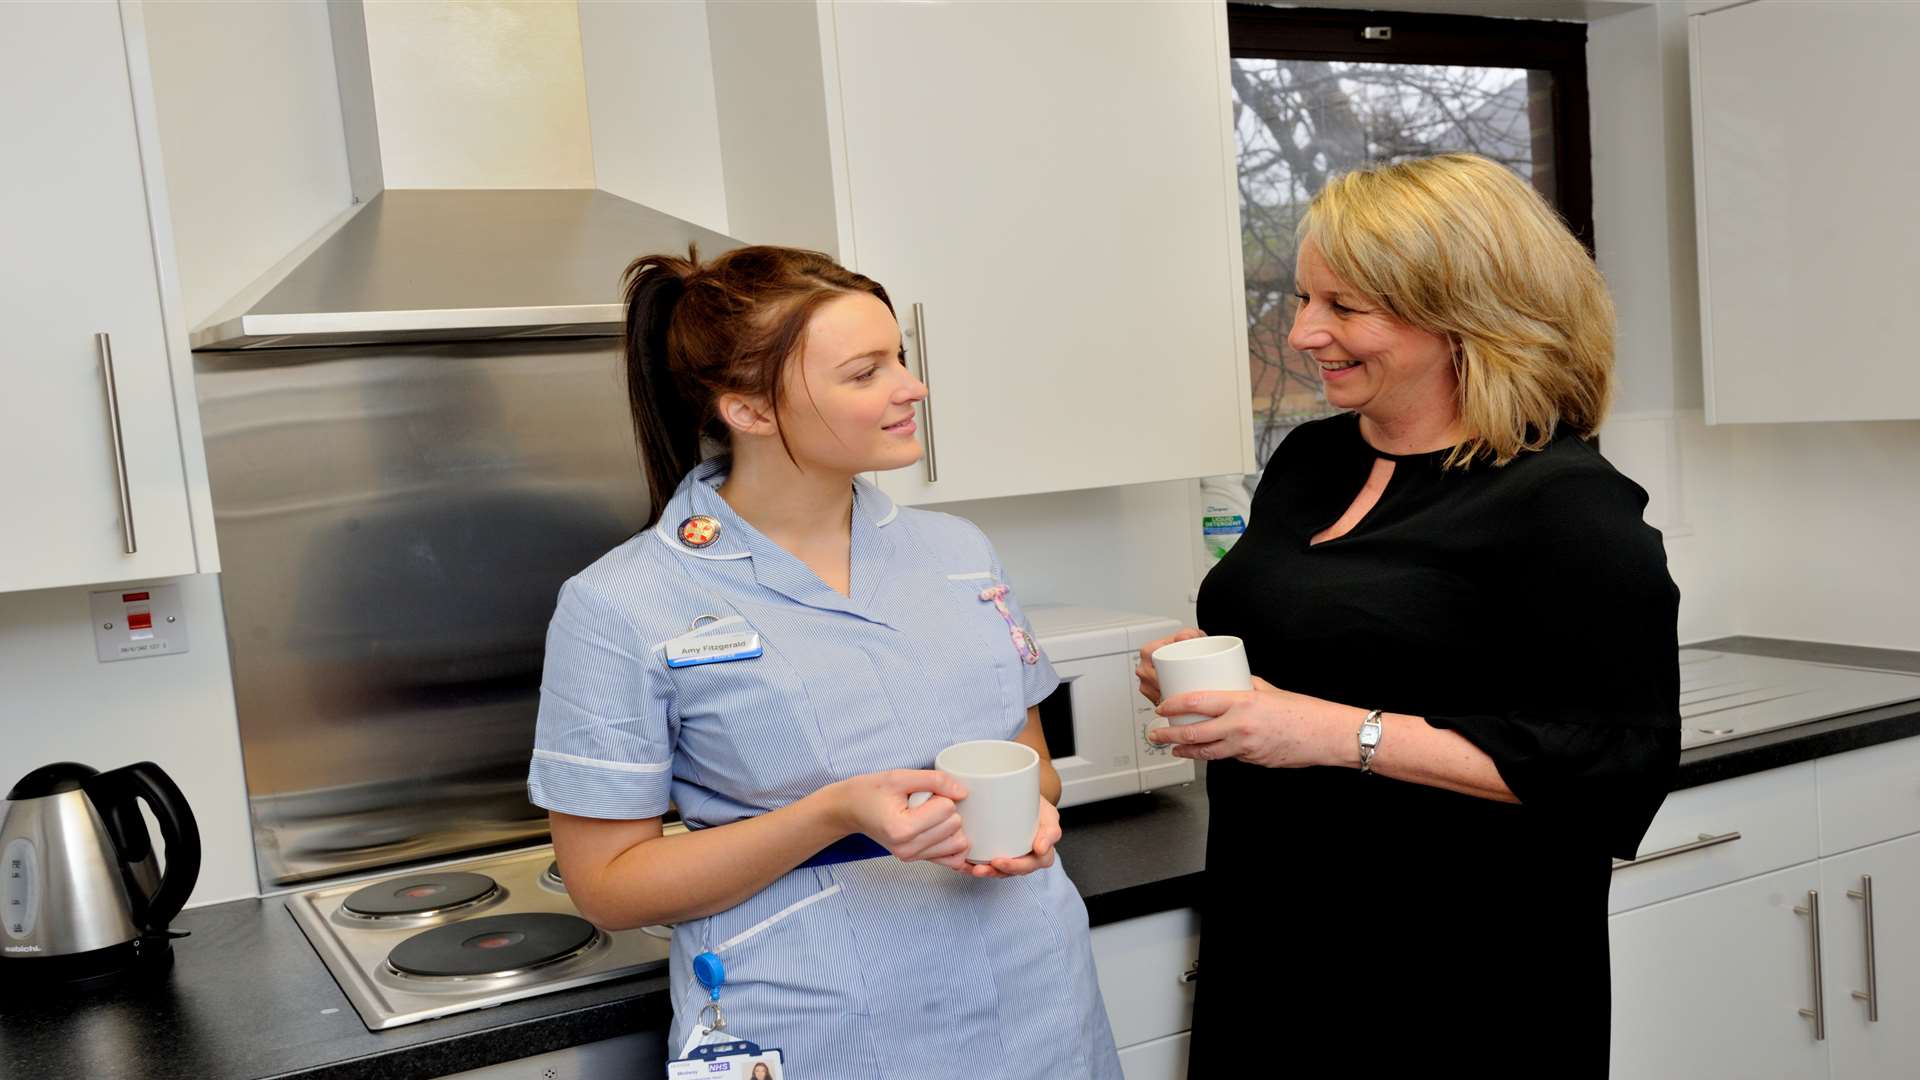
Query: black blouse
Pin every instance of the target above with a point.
(1527, 607)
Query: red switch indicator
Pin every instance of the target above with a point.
(132, 597)
(142, 620)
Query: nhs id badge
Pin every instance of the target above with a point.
(691, 650)
(736, 1060)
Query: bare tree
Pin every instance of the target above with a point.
(1300, 122)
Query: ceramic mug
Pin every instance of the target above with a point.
(1215, 662)
(1002, 809)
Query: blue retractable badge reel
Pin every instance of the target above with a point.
(712, 974)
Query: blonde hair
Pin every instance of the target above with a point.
(1459, 246)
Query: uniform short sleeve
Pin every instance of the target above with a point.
(1592, 734)
(1038, 680)
(603, 743)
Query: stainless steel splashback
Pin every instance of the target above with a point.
(395, 523)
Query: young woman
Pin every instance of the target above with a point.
(780, 654)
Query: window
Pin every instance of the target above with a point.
(1319, 92)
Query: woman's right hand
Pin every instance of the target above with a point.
(1149, 678)
(878, 805)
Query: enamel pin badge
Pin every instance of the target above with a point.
(699, 531)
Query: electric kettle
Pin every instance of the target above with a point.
(83, 900)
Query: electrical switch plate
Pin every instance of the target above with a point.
(138, 621)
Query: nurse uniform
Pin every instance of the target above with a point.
(871, 969)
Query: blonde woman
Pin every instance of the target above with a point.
(1464, 637)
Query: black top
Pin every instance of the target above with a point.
(1527, 607)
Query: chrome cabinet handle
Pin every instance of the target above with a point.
(1706, 840)
(1871, 995)
(926, 379)
(103, 344)
(1191, 975)
(1818, 1014)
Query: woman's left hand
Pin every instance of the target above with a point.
(1263, 726)
(1044, 837)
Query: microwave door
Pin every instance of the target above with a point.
(1089, 723)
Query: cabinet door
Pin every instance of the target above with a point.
(1710, 985)
(1160, 1059)
(1146, 967)
(79, 261)
(1054, 184)
(1865, 1048)
(1802, 256)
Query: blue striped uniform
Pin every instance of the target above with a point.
(874, 969)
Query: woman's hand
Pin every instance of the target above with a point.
(1263, 726)
(878, 805)
(1149, 678)
(1045, 836)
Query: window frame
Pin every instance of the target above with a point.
(1559, 48)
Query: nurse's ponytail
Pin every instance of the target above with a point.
(696, 332)
(666, 424)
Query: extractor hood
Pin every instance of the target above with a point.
(462, 248)
(457, 264)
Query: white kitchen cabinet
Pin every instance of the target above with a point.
(1803, 179)
(1864, 1048)
(97, 469)
(1869, 795)
(1159, 1059)
(639, 1056)
(1720, 833)
(1048, 193)
(1147, 968)
(1711, 984)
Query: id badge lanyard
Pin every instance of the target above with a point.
(712, 974)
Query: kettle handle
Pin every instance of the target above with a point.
(178, 829)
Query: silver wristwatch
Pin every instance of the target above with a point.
(1369, 740)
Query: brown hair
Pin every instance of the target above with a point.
(696, 332)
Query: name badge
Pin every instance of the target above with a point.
(729, 1061)
(713, 649)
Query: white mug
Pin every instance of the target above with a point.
(1002, 809)
(1216, 662)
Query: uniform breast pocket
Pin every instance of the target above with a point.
(978, 608)
(748, 728)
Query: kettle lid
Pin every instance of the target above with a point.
(54, 779)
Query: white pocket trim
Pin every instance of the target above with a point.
(978, 575)
(776, 917)
(616, 766)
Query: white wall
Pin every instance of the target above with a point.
(250, 133)
(513, 71)
(650, 96)
(1126, 548)
(62, 704)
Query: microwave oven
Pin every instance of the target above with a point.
(1096, 723)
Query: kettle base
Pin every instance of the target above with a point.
(127, 963)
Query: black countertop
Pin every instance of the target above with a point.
(248, 998)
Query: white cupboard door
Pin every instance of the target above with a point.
(1803, 189)
(76, 260)
(1053, 184)
(1160, 1059)
(1710, 985)
(1147, 967)
(1864, 1048)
